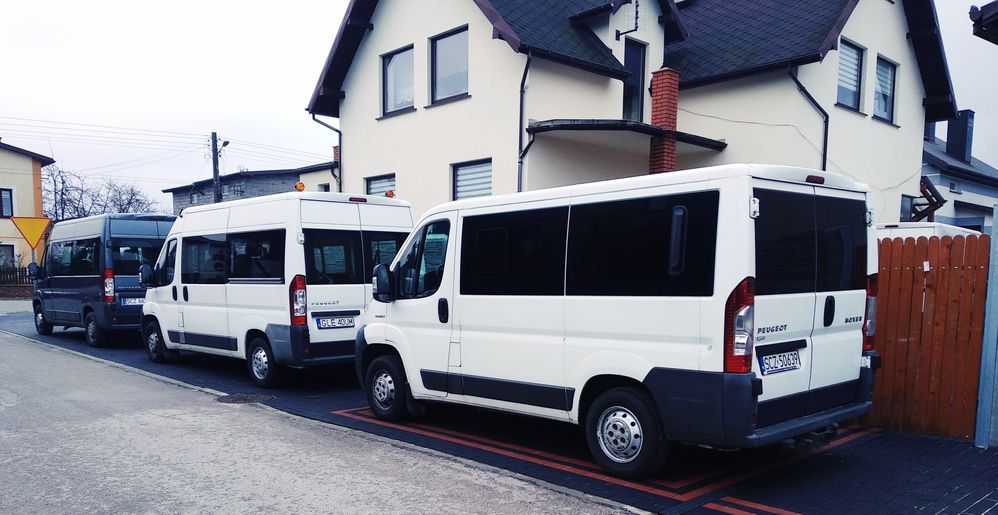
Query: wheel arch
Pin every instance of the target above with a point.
(248, 337)
(596, 385)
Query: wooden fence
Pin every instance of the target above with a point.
(14, 276)
(930, 325)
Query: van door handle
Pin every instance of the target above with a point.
(829, 310)
(174, 293)
(442, 311)
(185, 294)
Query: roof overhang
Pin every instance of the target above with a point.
(986, 21)
(624, 125)
(927, 42)
(959, 172)
(44, 160)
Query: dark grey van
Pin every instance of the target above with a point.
(88, 276)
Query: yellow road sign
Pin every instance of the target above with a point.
(31, 227)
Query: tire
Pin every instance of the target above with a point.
(624, 433)
(263, 368)
(41, 326)
(155, 345)
(96, 337)
(385, 388)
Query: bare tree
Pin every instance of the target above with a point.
(66, 195)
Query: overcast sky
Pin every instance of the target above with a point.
(245, 70)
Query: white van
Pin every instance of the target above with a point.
(728, 306)
(276, 280)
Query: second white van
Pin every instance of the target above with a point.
(278, 280)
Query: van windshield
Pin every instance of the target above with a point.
(127, 255)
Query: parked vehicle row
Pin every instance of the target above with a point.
(730, 306)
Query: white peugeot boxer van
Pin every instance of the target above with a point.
(728, 306)
(276, 280)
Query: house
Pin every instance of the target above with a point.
(969, 184)
(478, 97)
(255, 183)
(20, 195)
(986, 21)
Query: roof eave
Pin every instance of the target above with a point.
(607, 71)
(738, 74)
(566, 124)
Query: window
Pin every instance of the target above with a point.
(907, 208)
(7, 256)
(257, 255)
(203, 259)
(324, 187)
(883, 100)
(6, 203)
(518, 253)
(841, 240)
(449, 63)
(166, 267)
(658, 246)
(127, 255)
(473, 179)
(333, 257)
(955, 187)
(380, 249)
(85, 258)
(58, 258)
(396, 72)
(422, 266)
(850, 74)
(380, 185)
(634, 84)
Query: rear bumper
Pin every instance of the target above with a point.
(720, 409)
(115, 317)
(293, 347)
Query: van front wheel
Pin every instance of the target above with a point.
(41, 326)
(624, 433)
(385, 387)
(155, 346)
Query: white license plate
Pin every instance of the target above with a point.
(133, 301)
(334, 323)
(775, 363)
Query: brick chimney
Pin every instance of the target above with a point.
(960, 135)
(336, 153)
(664, 108)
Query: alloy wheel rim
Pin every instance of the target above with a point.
(92, 332)
(620, 435)
(384, 390)
(260, 363)
(153, 341)
(39, 319)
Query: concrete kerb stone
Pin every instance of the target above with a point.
(345, 430)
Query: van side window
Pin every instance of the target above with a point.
(59, 258)
(85, 258)
(203, 259)
(257, 255)
(333, 257)
(841, 227)
(167, 264)
(380, 249)
(784, 243)
(517, 253)
(627, 247)
(421, 267)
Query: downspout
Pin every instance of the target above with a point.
(792, 71)
(522, 150)
(339, 176)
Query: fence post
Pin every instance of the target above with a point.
(986, 431)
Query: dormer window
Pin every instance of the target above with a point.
(396, 81)
(634, 84)
(449, 62)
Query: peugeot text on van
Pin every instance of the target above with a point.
(89, 273)
(728, 306)
(277, 280)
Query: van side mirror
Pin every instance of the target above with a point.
(146, 277)
(33, 272)
(382, 284)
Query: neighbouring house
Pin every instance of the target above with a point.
(969, 184)
(477, 97)
(986, 21)
(255, 183)
(20, 195)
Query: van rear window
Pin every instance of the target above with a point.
(348, 257)
(842, 246)
(127, 255)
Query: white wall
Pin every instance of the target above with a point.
(312, 180)
(564, 158)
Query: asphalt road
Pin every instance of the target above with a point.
(79, 436)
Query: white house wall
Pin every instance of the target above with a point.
(17, 174)
(312, 180)
(564, 158)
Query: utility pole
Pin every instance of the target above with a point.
(214, 167)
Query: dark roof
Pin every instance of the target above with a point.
(623, 125)
(735, 39)
(552, 29)
(934, 153)
(45, 160)
(255, 173)
(986, 21)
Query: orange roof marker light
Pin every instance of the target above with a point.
(390, 193)
(299, 186)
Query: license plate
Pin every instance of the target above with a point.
(775, 363)
(334, 323)
(133, 301)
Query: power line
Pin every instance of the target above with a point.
(103, 138)
(102, 131)
(250, 154)
(162, 146)
(181, 150)
(275, 147)
(101, 126)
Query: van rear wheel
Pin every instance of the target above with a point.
(263, 368)
(624, 433)
(41, 326)
(385, 386)
(96, 337)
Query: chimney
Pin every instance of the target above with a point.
(336, 153)
(960, 135)
(664, 109)
(930, 132)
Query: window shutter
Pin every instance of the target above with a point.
(473, 180)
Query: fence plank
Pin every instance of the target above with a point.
(959, 425)
(901, 346)
(890, 338)
(938, 333)
(883, 278)
(928, 359)
(914, 370)
(951, 351)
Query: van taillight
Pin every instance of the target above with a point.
(108, 285)
(739, 327)
(298, 301)
(870, 321)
